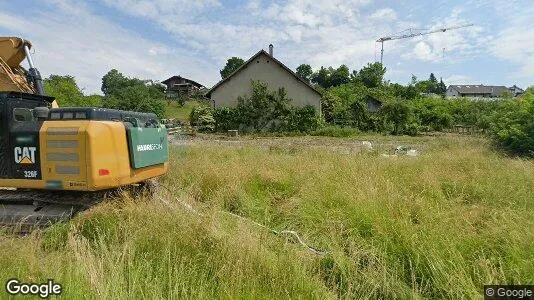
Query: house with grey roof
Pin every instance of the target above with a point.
(481, 91)
(516, 91)
(263, 67)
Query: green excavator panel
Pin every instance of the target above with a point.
(148, 146)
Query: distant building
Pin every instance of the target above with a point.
(178, 86)
(516, 91)
(267, 69)
(482, 91)
(373, 104)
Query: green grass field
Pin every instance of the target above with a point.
(175, 111)
(437, 226)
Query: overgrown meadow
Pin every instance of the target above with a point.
(439, 225)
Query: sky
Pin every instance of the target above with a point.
(194, 38)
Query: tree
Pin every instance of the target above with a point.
(372, 75)
(113, 81)
(331, 77)
(442, 88)
(354, 76)
(304, 71)
(329, 103)
(432, 78)
(414, 79)
(232, 65)
(425, 86)
(396, 117)
(262, 107)
(132, 94)
(321, 77)
(410, 92)
(512, 126)
(433, 84)
(339, 76)
(398, 90)
(67, 92)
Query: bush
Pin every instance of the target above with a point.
(335, 131)
(433, 114)
(262, 108)
(202, 117)
(397, 118)
(345, 104)
(264, 111)
(300, 119)
(226, 118)
(512, 127)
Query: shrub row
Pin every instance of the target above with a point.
(262, 111)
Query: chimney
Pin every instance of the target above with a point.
(271, 49)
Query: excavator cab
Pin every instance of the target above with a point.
(21, 117)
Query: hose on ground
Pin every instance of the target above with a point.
(292, 233)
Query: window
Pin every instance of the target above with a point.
(81, 115)
(23, 115)
(68, 115)
(55, 116)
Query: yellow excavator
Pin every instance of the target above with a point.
(56, 161)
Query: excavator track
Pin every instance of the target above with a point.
(21, 211)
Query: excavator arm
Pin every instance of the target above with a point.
(13, 77)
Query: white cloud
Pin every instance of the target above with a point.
(158, 50)
(384, 14)
(458, 79)
(515, 44)
(320, 32)
(254, 4)
(459, 44)
(74, 41)
(153, 9)
(423, 51)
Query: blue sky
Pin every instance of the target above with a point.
(157, 39)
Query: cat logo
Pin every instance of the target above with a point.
(25, 155)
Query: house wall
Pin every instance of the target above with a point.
(451, 93)
(271, 73)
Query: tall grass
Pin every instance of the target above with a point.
(440, 225)
(174, 111)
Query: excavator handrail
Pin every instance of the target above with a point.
(27, 96)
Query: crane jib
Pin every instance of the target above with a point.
(414, 34)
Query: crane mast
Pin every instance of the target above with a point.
(413, 33)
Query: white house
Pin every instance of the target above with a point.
(481, 91)
(267, 69)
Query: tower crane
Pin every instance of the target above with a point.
(410, 33)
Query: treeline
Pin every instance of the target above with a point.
(120, 92)
(419, 106)
(406, 109)
(416, 107)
